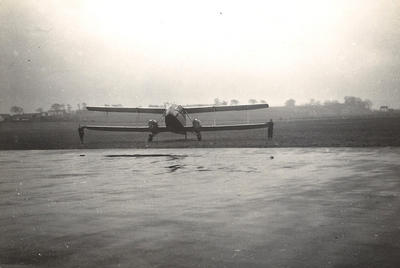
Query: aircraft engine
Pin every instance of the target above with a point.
(153, 126)
(196, 125)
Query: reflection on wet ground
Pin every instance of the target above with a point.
(146, 155)
(203, 207)
(174, 168)
(169, 157)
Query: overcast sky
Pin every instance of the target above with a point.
(190, 52)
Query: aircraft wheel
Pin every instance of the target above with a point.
(150, 139)
(199, 136)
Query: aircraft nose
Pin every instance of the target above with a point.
(171, 111)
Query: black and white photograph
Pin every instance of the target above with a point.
(199, 133)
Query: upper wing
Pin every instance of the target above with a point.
(228, 127)
(205, 109)
(151, 110)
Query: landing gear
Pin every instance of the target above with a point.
(198, 136)
(150, 138)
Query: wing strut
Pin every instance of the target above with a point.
(81, 131)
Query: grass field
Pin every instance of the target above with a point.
(356, 132)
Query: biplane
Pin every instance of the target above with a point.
(175, 117)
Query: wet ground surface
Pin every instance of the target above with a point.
(268, 207)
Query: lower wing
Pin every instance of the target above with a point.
(164, 129)
(227, 127)
(122, 128)
(81, 129)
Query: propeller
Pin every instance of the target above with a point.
(196, 127)
(153, 127)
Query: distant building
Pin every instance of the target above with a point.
(56, 113)
(5, 117)
(27, 117)
(384, 108)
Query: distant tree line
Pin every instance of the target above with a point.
(349, 101)
(217, 101)
(56, 111)
(16, 110)
(350, 105)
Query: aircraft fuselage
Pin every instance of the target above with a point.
(175, 119)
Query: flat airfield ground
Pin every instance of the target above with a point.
(235, 207)
(352, 132)
(304, 207)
